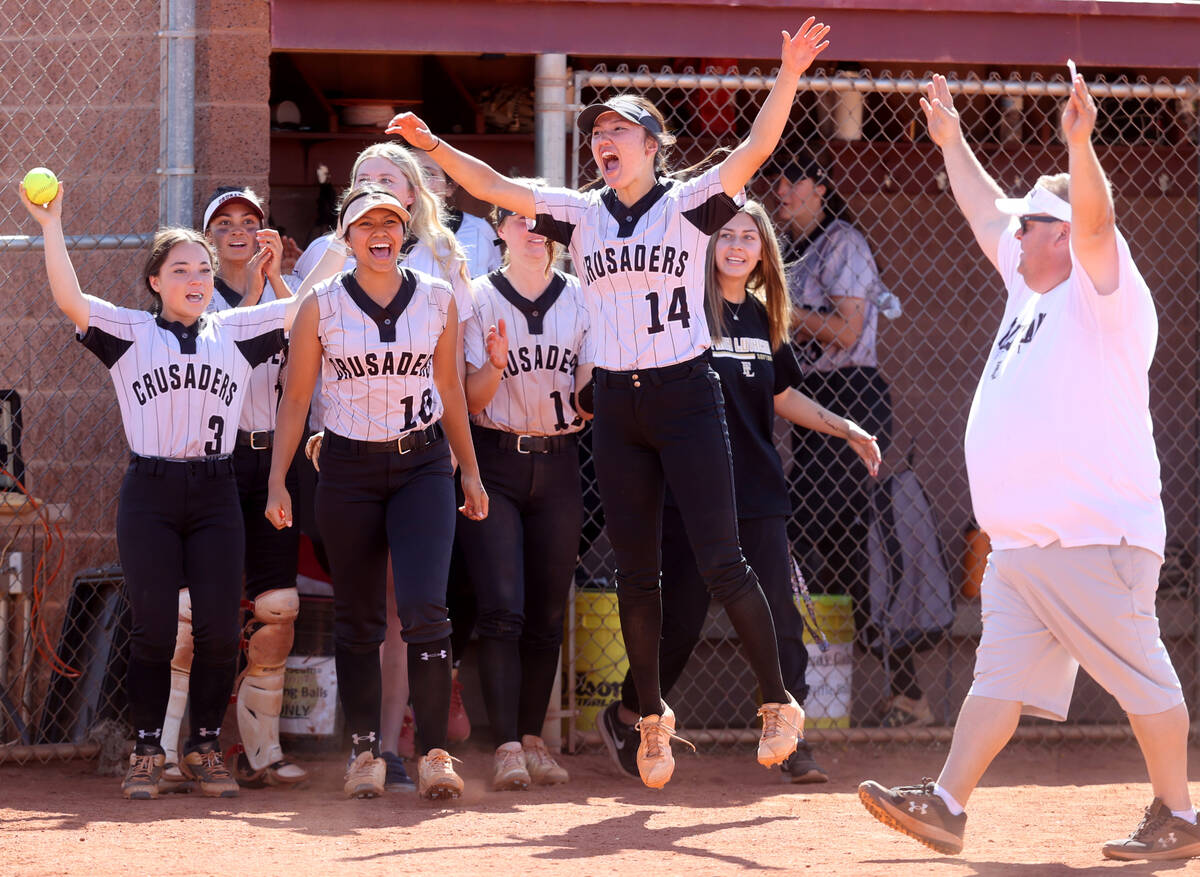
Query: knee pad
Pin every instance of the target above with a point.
(260, 692)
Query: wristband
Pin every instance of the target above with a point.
(435, 146)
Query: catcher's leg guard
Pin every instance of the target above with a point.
(173, 779)
(260, 691)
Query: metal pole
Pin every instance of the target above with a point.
(24, 242)
(550, 117)
(177, 111)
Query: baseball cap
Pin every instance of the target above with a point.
(364, 200)
(624, 107)
(802, 167)
(224, 196)
(1038, 200)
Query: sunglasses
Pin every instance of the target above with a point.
(1025, 220)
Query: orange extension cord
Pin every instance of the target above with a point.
(53, 538)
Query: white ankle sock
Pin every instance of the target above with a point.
(952, 805)
(1186, 815)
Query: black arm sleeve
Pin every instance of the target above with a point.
(260, 348)
(108, 348)
(712, 214)
(787, 369)
(557, 230)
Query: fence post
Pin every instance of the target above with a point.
(550, 117)
(178, 111)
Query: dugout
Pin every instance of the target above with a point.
(85, 95)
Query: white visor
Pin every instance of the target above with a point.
(1038, 200)
(365, 201)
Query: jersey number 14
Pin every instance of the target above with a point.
(677, 310)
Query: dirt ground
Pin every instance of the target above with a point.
(1041, 811)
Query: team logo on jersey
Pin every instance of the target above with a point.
(537, 358)
(656, 259)
(177, 376)
(1026, 332)
(389, 363)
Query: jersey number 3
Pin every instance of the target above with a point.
(677, 310)
(213, 445)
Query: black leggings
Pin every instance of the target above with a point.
(831, 493)
(685, 601)
(179, 525)
(367, 504)
(271, 554)
(661, 426)
(521, 559)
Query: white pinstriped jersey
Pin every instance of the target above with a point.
(416, 255)
(377, 367)
(478, 240)
(642, 267)
(547, 339)
(419, 257)
(180, 388)
(261, 401)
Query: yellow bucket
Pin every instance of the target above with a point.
(600, 660)
(830, 672)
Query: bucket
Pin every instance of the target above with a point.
(600, 660)
(310, 692)
(829, 673)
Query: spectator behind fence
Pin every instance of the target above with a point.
(838, 295)
(1065, 480)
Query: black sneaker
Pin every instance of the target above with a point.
(1160, 835)
(397, 778)
(917, 812)
(622, 740)
(801, 766)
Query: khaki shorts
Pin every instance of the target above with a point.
(1048, 611)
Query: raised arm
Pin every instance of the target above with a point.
(1093, 218)
(304, 363)
(477, 177)
(974, 190)
(797, 54)
(63, 283)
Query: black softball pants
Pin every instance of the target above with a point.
(271, 555)
(179, 525)
(368, 503)
(685, 601)
(666, 426)
(521, 560)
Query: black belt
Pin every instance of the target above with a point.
(219, 464)
(525, 444)
(417, 440)
(661, 375)
(258, 440)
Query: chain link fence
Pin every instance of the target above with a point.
(882, 679)
(81, 96)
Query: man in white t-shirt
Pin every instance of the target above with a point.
(1065, 480)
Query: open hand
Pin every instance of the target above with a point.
(800, 50)
(414, 130)
(943, 120)
(496, 344)
(1078, 114)
(312, 449)
(865, 446)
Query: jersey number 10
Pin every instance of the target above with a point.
(678, 310)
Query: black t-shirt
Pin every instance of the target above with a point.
(751, 376)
